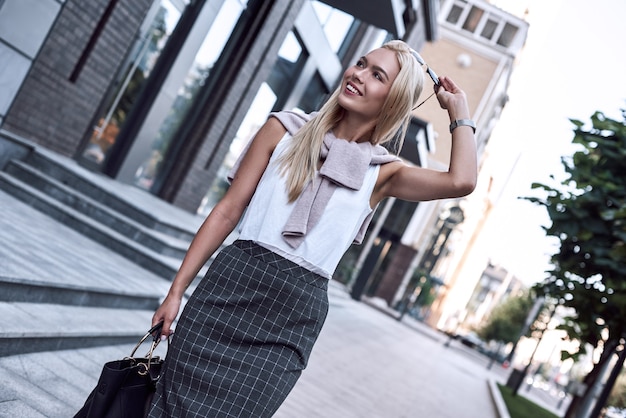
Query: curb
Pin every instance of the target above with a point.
(498, 402)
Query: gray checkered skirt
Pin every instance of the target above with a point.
(243, 338)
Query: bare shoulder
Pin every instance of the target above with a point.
(270, 133)
(260, 150)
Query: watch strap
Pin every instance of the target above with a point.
(462, 122)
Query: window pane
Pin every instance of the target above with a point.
(489, 29)
(507, 35)
(159, 24)
(473, 18)
(278, 84)
(454, 15)
(288, 66)
(314, 95)
(290, 49)
(200, 71)
(335, 23)
(254, 119)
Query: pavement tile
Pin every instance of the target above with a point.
(19, 388)
(14, 409)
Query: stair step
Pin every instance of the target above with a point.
(127, 200)
(156, 241)
(35, 246)
(161, 265)
(36, 291)
(36, 327)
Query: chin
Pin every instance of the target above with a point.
(347, 102)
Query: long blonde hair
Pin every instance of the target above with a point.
(299, 162)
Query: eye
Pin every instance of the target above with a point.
(377, 76)
(360, 63)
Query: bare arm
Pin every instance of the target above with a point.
(222, 219)
(419, 184)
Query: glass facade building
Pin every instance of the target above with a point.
(163, 95)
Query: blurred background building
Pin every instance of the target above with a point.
(164, 94)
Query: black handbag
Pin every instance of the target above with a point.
(126, 387)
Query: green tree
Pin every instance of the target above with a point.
(506, 321)
(588, 214)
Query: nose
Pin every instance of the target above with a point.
(358, 74)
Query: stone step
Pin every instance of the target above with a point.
(127, 200)
(37, 327)
(159, 264)
(36, 247)
(156, 241)
(40, 403)
(38, 291)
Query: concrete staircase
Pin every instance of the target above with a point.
(42, 316)
(84, 260)
(100, 209)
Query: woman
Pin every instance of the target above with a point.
(309, 183)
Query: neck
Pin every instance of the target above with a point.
(354, 129)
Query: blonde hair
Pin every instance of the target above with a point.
(299, 162)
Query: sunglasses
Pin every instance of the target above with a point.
(429, 71)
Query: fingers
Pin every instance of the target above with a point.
(449, 85)
(448, 92)
(166, 330)
(167, 312)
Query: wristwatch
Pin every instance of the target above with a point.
(462, 122)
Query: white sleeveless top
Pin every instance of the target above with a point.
(326, 242)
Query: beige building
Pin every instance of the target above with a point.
(477, 47)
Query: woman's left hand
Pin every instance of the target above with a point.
(452, 98)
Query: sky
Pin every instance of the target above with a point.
(573, 64)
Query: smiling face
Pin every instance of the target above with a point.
(366, 84)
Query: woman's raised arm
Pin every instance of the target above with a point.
(420, 184)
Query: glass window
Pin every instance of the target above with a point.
(489, 29)
(159, 24)
(507, 35)
(454, 15)
(257, 115)
(200, 70)
(473, 18)
(270, 95)
(13, 71)
(314, 95)
(335, 23)
(290, 50)
(287, 67)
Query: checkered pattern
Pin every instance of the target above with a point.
(243, 338)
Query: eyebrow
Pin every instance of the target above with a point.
(377, 68)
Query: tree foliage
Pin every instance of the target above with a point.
(588, 214)
(507, 320)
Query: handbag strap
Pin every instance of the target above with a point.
(155, 339)
(154, 332)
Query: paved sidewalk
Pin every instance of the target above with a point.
(366, 364)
